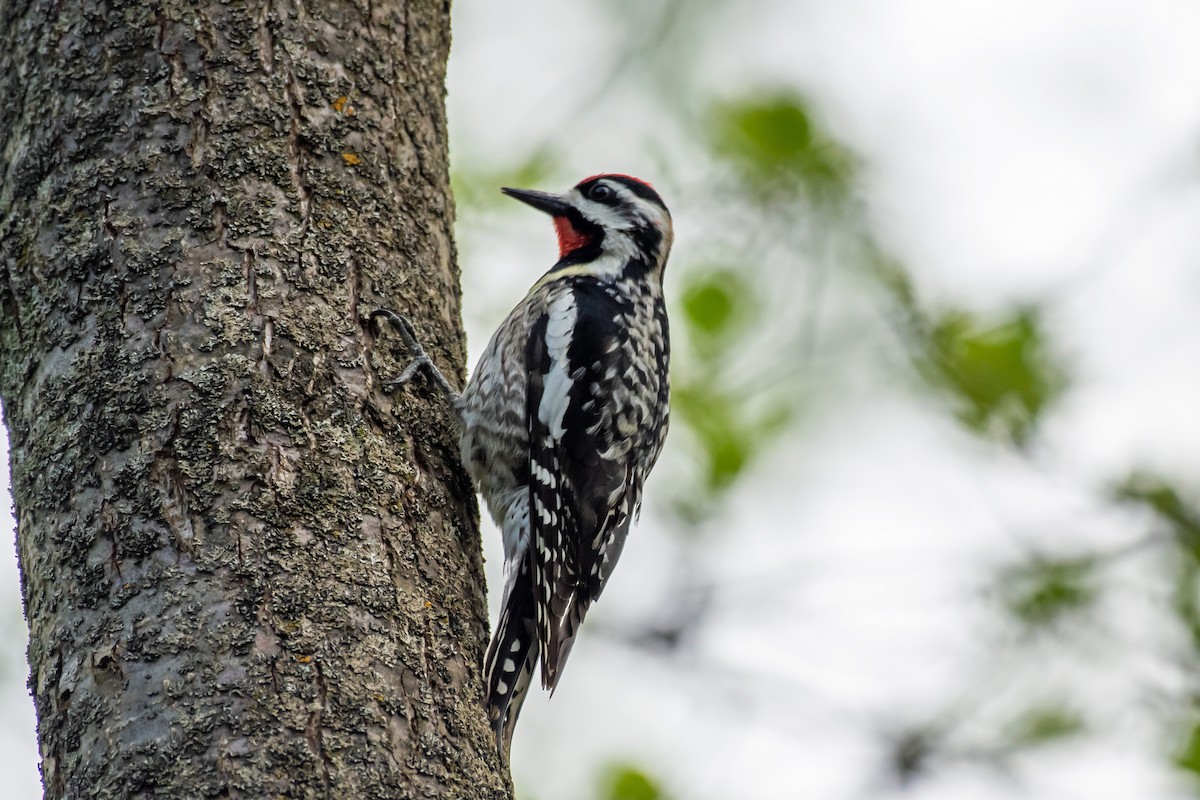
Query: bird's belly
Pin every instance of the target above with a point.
(495, 453)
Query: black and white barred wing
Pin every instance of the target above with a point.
(584, 436)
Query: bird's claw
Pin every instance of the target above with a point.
(421, 359)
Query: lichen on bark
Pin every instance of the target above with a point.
(247, 571)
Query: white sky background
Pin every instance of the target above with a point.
(1015, 150)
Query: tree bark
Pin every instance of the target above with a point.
(247, 571)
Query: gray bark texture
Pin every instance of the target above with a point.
(247, 570)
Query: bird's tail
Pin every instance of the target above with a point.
(512, 656)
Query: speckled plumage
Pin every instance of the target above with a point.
(563, 419)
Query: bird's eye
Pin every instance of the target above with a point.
(601, 193)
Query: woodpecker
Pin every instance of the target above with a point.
(562, 420)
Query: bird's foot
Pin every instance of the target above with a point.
(420, 358)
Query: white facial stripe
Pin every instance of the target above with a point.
(619, 246)
(611, 218)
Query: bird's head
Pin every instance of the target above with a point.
(607, 220)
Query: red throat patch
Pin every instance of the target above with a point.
(569, 239)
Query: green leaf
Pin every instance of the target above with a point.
(713, 417)
(730, 434)
(1045, 724)
(709, 304)
(1001, 373)
(716, 304)
(1043, 590)
(775, 145)
(626, 782)
(1187, 757)
(1185, 597)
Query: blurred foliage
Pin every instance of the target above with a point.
(1185, 596)
(735, 399)
(1182, 522)
(910, 751)
(1042, 590)
(729, 434)
(627, 782)
(916, 750)
(1179, 517)
(778, 198)
(718, 304)
(1158, 495)
(481, 188)
(1045, 724)
(770, 138)
(1000, 372)
(1187, 756)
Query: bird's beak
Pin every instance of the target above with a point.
(552, 204)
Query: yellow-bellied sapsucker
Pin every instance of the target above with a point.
(563, 419)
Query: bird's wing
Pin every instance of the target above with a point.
(584, 481)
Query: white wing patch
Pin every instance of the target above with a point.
(556, 388)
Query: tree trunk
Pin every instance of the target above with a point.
(247, 571)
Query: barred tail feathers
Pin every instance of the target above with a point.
(511, 657)
(566, 595)
(559, 623)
